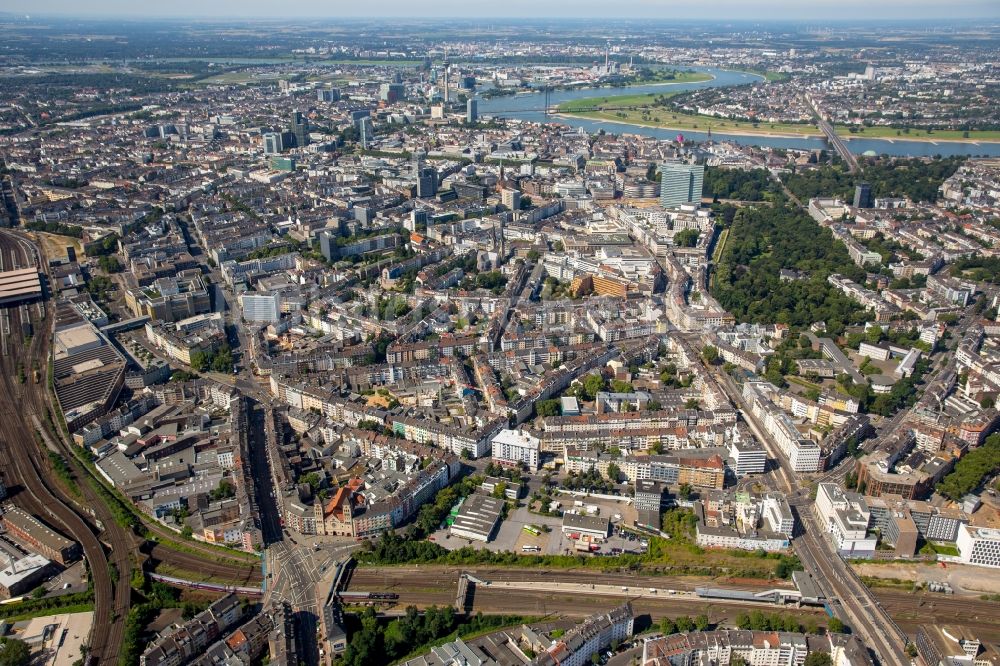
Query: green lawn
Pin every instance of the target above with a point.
(42, 612)
(776, 76)
(612, 100)
(230, 78)
(666, 119)
(915, 134)
(803, 382)
(680, 77)
(197, 576)
(631, 108)
(610, 106)
(720, 245)
(944, 549)
(378, 63)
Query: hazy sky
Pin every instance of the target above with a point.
(762, 10)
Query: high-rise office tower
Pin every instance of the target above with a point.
(681, 184)
(328, 244)
(272, 143)
(391, 92)
(863, 196)
(328, 94)
(366, 132)
(427, 182)
(299, 127)
(511, 199)
(471, 111)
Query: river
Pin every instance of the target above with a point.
(530, 107)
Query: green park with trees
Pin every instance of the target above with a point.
(760, 244)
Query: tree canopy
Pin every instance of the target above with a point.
(761, 242)
(14, 652)
(970, 471)
(740, 184)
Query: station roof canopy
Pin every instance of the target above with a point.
(20, 284)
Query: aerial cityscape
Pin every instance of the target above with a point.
(639, 334)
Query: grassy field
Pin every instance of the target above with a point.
(802, 382)
(236, 78)
(616, 101)
(635, 106)
(42, 612)
(892, 583)
(720, 245)
(680, 77)
(197, 576)
(631, 108)
(915, 134)
(944, 549)
(680, 121)
(202, 549)
(55, 245)
(770, 76)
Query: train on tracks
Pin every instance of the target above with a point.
(214, 587)
(368, 596)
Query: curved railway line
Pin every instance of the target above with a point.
(24, 408)
(26, 469)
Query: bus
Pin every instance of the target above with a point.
(531, 529)
(531, 549)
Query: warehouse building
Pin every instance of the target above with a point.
(593, 526)
(39, 537)
(478, 518)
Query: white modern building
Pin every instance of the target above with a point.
(778, 515)
(516, 447)
(261, 307)
(803, 454)
(847, 518)
(979, 545)
(726, 537)
(747, 457)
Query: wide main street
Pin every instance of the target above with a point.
(818, 556)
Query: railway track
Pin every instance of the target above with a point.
(249, 575)
(209, 553)
(427, 585)
(23, 407)
(363, 578)
(910, 610)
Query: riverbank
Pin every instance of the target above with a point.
(639, 110)
(609, 117)
(531, 107)
(682, 122)
(680, 77)
(898, 134)
(684, 79)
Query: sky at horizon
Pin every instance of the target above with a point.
(736, 10)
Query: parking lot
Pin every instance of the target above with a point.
(517, 533)
(68, 581)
